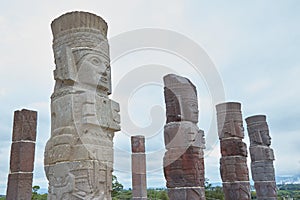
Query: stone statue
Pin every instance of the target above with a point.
(183, 160)
(262, 157)
(79, 154)
(233, 163)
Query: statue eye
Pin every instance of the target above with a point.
(95, 61)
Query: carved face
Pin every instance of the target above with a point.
(232, 128)
(189, 110)
(266, 139)
(93, 69)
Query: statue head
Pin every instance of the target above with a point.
(258, 130)
(230, 121)
(81, 51)
(181, 99)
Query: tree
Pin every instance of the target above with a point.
(36, 196)
(116, 186)
(213, 193)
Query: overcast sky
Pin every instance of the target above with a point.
(254, 47)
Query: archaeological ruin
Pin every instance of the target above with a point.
(79, 155)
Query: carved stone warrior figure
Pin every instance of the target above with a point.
(79, 154)
(183, 160)
(262, 157)
(233, 163)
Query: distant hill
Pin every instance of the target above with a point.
(293, 179)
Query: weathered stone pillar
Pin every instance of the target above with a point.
(262, 158)
(233, 163)
(22, 155)
(138, 166)
(183, 160)
(79, 154)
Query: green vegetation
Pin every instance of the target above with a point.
(289, 191)
(213, 193)
(36, 196)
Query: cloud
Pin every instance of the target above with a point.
(254, 45)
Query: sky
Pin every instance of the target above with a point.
(243, 51)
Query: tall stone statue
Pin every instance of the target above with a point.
(262, 157)
(79, 154)
(233, 163)
(22, 155)
(183, 160)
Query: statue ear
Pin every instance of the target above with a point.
(65, 65)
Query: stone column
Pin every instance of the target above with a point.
(233, 163)
(138, 166)
(79, 154)
(262, 158)
(183, 160)
(22, 155)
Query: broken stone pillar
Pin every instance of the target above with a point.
(233, 163)
(184, 141)
(79, 154)
(22, 155)
(262, 158)
(138, 166)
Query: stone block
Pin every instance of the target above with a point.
(233, 147)
(265, 190)
(24, 127)
(183, 135)
(237, 191)
(186, 193)
(186, 171)
(22, 157)
(261, 153)
(263, 171)
(138, 144)
(19, 186)
(234, 169)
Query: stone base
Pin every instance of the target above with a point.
(237, 191)
(265, 190)
(19, 186)
(89, 179)
(234, 168)
(186, 193)
(263, 171)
